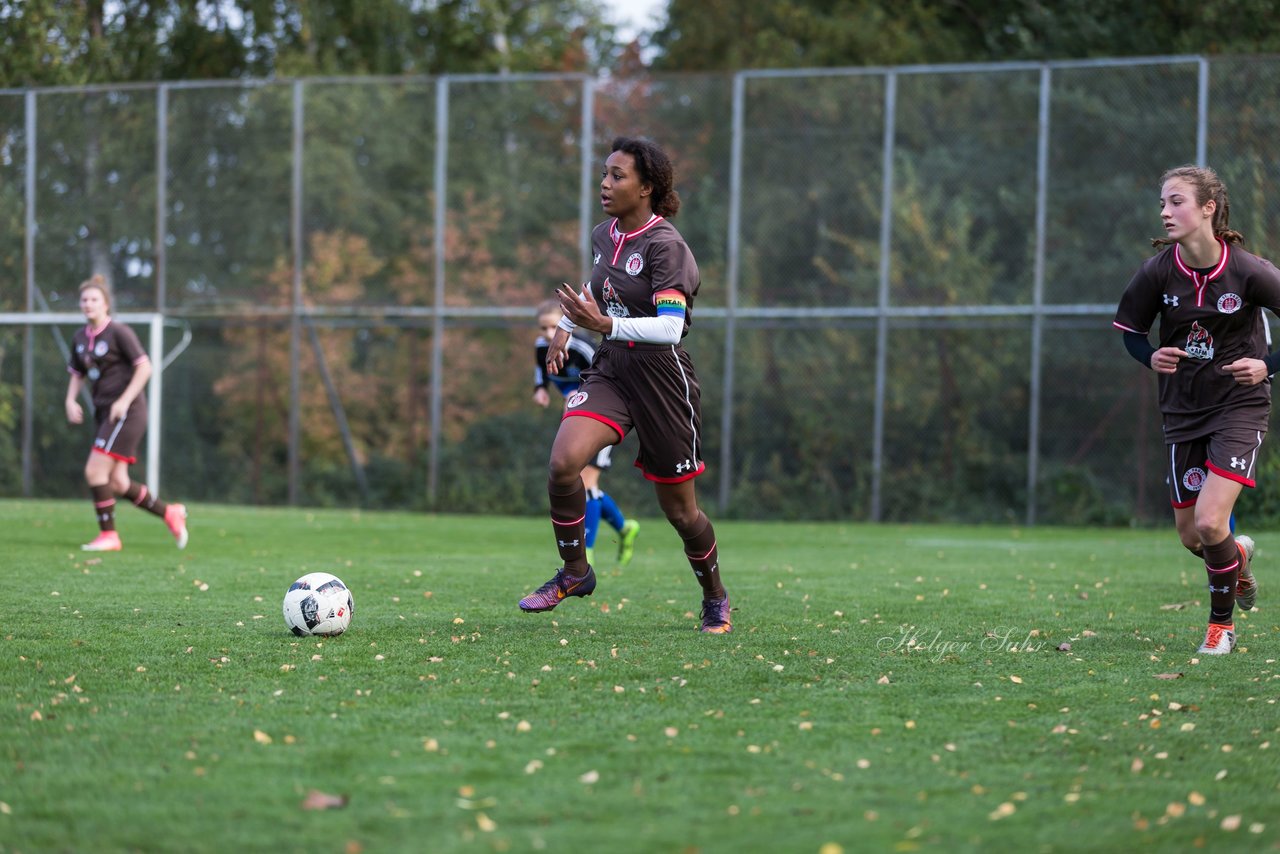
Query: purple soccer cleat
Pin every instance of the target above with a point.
(715, 616)
(549, 595)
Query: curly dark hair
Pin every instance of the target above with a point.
(655, 170)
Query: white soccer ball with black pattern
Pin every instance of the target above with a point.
(318, 603)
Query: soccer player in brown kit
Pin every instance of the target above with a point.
(640, 298)
(1214, 369)
(110, 356)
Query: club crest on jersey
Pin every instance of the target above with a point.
(576, 399)
(100, 349)
(613, 306)
(634, 264)
(1230, 303)
(1193, 480)
(1199, 343)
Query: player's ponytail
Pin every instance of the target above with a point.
(1207, 186)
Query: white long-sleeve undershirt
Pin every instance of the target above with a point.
(664, 329)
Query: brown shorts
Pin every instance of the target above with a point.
(651, 388)
(120, 439)
(1231, 452)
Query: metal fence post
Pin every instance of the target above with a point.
(155, 402)
(295, 319)
(437, 317)
(588, 170)
(1037, 293)
(29, 273)
(162, 195)
(883, 301)
(732, 274)
(1202, 112)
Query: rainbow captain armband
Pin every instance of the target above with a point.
(669, 303)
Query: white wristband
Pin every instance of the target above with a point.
(566, 324)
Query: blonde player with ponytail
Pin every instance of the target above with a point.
(109, 355)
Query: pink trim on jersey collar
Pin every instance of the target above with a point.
(620, 238)
(1201, 280)
(88, 330)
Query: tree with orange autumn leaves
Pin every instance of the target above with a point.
(380, 365)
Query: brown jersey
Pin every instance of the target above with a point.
(1216, 317)
(629, 270)
(107, 358)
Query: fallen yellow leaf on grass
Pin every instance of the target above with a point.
(1005, 810)
(261, 737)
(318, 800)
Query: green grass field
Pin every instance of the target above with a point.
(886, 688)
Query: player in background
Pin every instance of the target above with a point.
(110, 356)
(640, 298)
(600, 505)
(1214, 370)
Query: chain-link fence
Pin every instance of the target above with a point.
(908, 277)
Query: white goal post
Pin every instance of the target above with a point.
(154, 323)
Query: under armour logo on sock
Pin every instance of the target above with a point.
(566, 544)
(1223, 589)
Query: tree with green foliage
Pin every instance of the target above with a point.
(725, 35)
(48, 42)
